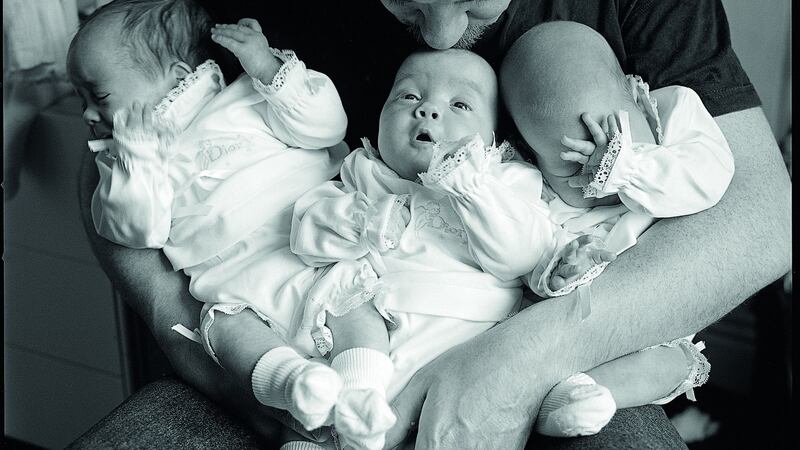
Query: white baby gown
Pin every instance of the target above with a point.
(477, 225)
(217, 193)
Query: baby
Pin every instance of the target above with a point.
(447, 224)
(649, 155)
(209, 173)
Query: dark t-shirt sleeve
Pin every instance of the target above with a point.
(687, 43)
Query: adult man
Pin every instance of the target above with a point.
(463, 399)
(647, 40)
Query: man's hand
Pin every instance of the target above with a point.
(452, 408)
(249, 44)
(475, 395)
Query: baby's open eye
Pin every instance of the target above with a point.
(412, 97)
(462, 105)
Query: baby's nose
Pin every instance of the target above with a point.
(427, 110)
(91, 116)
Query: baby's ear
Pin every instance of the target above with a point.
(179, 70)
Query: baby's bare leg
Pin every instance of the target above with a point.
(276, 373)
(363, 327)
(240, 341)
(583, 403)
(643, 377)
(360, 356)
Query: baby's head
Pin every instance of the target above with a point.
(437, 96)
(569, 69)
(135, 50)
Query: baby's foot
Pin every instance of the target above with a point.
(362, 418)
(577, 406)
(308, 390)
(314, 392)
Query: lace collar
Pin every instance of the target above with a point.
(183, 102)
(504, 152)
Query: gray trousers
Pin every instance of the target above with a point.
(170, 414)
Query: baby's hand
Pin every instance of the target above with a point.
(577, 258)
(136, 120)
(249, 44)
(138, 124)
(585, 152)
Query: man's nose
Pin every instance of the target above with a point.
(427, 110)
(444, 27)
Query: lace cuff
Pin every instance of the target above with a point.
(346, 286)
(206, 68)
(698, 373)
(606, 180)
(587, 277)
(290, 62)
(454, 165)
(611, 174)
(380, 232)
(640, 91)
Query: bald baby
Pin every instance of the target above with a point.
(571, 75)
(437, 96)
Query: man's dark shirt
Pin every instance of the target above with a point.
(360, 45)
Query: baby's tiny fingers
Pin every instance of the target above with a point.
(578, 145)
(135, 114)
(557, 282)
(601, 255)
(574, 156)
(612, 124)
(597, 132)
(229, 32)
(227, 42)
(250, 23)
(570, 253)
(580, 180)
(147, 114)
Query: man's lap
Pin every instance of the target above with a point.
(168, 413)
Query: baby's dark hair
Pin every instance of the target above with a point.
(157, 32)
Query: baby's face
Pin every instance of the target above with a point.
(104, 76)
(436, 96)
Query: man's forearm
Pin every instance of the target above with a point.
(687, 272)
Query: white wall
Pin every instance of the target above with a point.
(761, 35)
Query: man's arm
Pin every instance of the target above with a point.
(684, 274)
(160, 296)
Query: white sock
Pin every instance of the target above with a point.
(362, 415)
(308, 390)
(577, 406)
